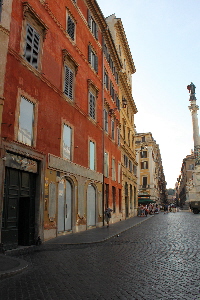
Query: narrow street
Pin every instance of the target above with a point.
(158, 259)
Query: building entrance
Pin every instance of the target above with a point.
(18, 226)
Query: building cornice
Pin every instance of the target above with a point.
(128, 91)
(101, 21)
(124, 43)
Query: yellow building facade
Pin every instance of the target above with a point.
(127, 111)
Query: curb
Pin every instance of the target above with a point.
(18, 265)
(104, 239)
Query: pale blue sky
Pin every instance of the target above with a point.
(164, 38)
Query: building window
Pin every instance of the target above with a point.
(143, 154)
(130, 166)
(191, 167)
(106, 80)
(125, 161)
(67, 142)
(71, 27)
(93, 59)
(1, 4)
(112, 91)
(144, 165)
(92, 106)
(120, 201)
(119, 172)
(117, 101)
(118, 136)
(34, 32)
(32, 46)
(92, 25)
(69, 74)
(114, 198)
(131, 196)
(113, 170)
(106, 120)
(92, 155)
(68, 82)
(135, 170)
(26, 122)
(113, 129)
(143, 138)
(106, 165)
(129, 135)
(144, 182)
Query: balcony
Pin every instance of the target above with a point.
(144, 186)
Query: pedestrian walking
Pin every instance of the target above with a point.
(165, 208)
(108, 215)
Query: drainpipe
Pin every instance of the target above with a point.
(103, 143)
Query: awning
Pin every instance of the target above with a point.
(145, 200)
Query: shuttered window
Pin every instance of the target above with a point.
(112, 129)
(71, 27)
(68, 84)
(92, 106)
(105, 120)
(32, 46)
(92, 25)
(92, 58)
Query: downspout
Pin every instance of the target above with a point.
(103, 143)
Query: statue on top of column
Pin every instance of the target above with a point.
(191, 87)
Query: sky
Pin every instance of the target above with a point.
(164, 39)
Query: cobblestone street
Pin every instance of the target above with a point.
(158, 259)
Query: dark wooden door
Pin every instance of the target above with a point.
(10, 209)
(19, 209)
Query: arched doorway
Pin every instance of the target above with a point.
(65, 194)
(91, 206)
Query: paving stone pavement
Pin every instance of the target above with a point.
(158, 259)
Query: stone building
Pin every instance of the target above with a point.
(150, 174)
(185, 180)
(60, 161)
(128, 110)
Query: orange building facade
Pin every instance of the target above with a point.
(60, 160)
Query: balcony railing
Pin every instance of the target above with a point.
(144, 186)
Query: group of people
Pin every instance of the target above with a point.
(150, 209)
(144, 210)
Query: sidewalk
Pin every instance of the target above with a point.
(10, 266)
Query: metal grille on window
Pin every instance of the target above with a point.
(69, 77)
(92, 106)
(70, 27)
(32, 46)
